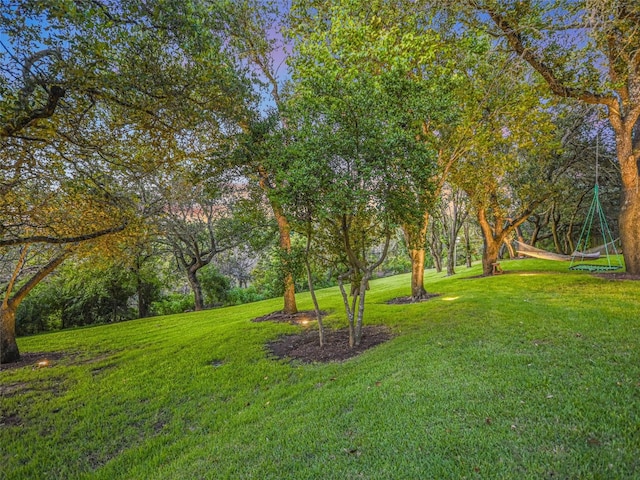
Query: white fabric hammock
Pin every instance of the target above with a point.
(533, 252)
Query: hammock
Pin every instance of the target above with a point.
(533, 252)
(606, 248)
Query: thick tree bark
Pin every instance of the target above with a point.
(418, 291)
(630, 208)
(284, 229)
(142, 288)
(9, 351)
(8, 346)
(490, 254)
(416, 239)
(492, 238)
(194, 282)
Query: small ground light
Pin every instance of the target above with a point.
(43, 363)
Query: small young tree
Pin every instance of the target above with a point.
(354, 161)
(454, 212)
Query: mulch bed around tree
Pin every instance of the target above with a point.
(34, 359)
(305, 346)
(300, 318)
(407, 300)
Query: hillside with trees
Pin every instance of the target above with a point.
(162, 157)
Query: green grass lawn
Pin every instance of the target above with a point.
(531, 374)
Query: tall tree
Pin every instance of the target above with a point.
(351, 167)
(501, 170)
(78, 80)
(588, 51)
(409, 37)
(255, 32)
(198, 224)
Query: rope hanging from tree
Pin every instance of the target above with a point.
(595, 213)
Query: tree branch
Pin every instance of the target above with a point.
(516, 42)
(26, 118)
(39, 276)
(7, 242)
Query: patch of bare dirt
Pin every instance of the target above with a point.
(12, 389)
(407, 300)
(34, 360)
(482, 275)
(300, 318)
(305, 346)
(10, 420)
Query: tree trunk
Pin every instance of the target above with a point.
(451, 261)
(363, 288)
(509, 247)
(490, 255)
(467, 244)
(312, 292)
(284, 229)
(630, 208)
(416, 240)
(348, 308)
(437, 262)
(418, 291)
(8, 346)
(142, 289)
(492, 241)
(556, 238)
(194, 281)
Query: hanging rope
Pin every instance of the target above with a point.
(595, 211)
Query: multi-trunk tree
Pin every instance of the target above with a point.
(350, 167)
(434, 56)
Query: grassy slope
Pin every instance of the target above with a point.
(533, 374)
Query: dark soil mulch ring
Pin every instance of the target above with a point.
(35, 359)
(300, 318)
(482, 275)
(409, 299)
(305, 346)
